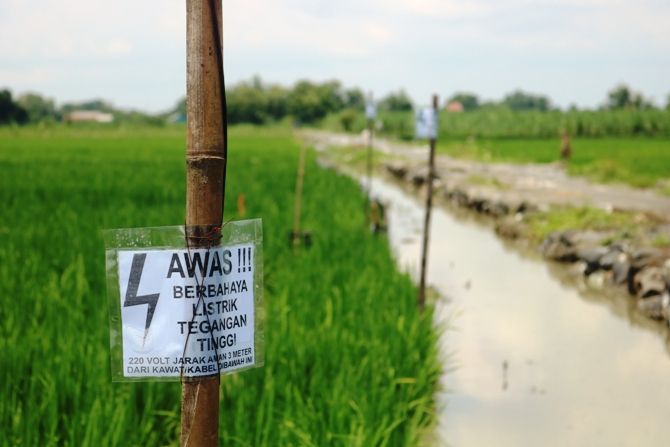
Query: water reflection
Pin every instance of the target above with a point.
(533, 361)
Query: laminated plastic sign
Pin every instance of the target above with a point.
(426, 123)
(179, 311)
(370, 110)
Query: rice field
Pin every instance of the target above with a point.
(349, 360)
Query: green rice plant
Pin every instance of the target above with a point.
(501, 122)
(640, 162)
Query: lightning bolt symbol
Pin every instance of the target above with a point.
(131, 293)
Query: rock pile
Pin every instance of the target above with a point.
(644, 272)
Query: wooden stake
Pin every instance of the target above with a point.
(205, 187)
(566, 148)
(421, 298)
(368, 203)
(297, 236)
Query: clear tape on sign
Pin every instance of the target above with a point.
(182, 304)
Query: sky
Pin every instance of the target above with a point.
(133, 52)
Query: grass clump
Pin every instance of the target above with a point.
(481, 180)
(542, 224)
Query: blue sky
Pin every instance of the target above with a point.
(132, 52)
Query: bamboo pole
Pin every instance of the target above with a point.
(205, 187)
(370, 145)
(421, 298)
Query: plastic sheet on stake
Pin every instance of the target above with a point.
(178, 311)
(425, 123)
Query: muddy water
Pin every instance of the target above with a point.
(532, 362)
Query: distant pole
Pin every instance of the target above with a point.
(566, 148)
(369, 169)
(421, 298)
(206, 155)
(296, 235)
(370, 114)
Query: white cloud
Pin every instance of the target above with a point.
(117, 47)
(439, 8)
(32, 76)
(379, 33)
(270, 25)
(388, 43)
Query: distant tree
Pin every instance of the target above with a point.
(619, 97)
(276, 101)
(10, 111)
(667, 105)
(469, 101)
(137, 117)
(331, 95)
(246, 103)
(519, 100)
(38, 107)
(306, 101)
(254, 101)
(396, 101)
(491, 105)
(622, 97)
(640, 102)
(249, 101)
(99, 105)
(347, 118)
(354, 98)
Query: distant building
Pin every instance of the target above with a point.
(455, 107)
(88, 116)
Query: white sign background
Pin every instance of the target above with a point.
(370, 110)
(177, 342)
(426, 123)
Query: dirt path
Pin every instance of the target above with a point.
(537, 184)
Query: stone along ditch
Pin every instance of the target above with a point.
(607, 258)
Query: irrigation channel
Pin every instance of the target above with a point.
(529, 359)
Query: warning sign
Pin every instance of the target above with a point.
(426, 123)
(370, 110)
(186, 312)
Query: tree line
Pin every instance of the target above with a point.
(306, 102)
(619, 97)
(33, 108)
